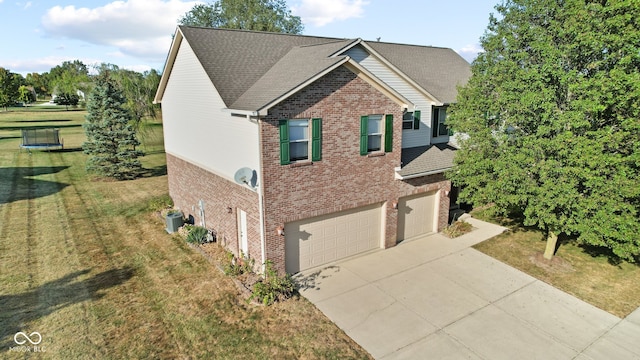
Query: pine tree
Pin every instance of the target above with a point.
(111, 139)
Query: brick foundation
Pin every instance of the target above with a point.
(189, 183)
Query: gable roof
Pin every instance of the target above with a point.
(439, 72)
(254, 70)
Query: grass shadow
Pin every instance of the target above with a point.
(22, 185)
(39, 121)
(20, 310)
(155, 171)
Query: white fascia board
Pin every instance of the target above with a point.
(346, 48)
(400, 73)
(243, 112)
(168, 65)
(426, 173)
(379, 84)
(265, 109)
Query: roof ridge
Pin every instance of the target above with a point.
(402, 44)
(261, 32)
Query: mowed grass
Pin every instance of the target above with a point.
(587, 273)
(87, 264)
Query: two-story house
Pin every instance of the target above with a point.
(304, 150)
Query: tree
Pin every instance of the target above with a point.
(551, 115)
(9, 85)
(69, 78)
(257, 15)
(26, 94)
(138, 88)
(39, 82)
(67, 99)
(111, 139)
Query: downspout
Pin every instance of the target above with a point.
(263, 244)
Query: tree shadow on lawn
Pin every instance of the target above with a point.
(19, 311)
(19, 184)
(155, 171)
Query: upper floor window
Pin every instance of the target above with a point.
(376, 133)
(299, 138)
(439, 117)
(411, 120)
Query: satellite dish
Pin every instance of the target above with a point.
(245, 176)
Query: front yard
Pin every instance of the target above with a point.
(587, 273)
(87, 264)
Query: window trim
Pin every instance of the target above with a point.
(313, 139)
(438, 122)
(386, 136)
(414, 122)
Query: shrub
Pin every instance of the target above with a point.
(273, 287)
(458, 228)
(237, 266)
(197, 235)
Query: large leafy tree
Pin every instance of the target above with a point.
(111, 138)
(69, 78)
(552, 121)
(9, 85)
(258, 15)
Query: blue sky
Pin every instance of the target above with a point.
(136, 34)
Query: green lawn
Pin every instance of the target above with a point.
(87, 264)
(587, 273)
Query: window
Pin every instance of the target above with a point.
(411, 120)
(298, 140)
(376, 133)
(295, 136)
(438, 126)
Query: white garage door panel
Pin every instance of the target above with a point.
(416, 215)
(320, 240)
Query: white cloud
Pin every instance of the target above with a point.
(140, 28)
(27, 5)
(43, 64)
(323, 12)
(470, 52)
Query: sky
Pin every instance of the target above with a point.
(136, 34)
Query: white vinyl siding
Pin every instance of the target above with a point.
(195, 127)
(410, 138)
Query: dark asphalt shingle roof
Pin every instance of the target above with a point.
(422, 159)
(437, 70)
(251, 69)
(296, 67)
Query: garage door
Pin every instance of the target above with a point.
(323, 239)
(417, 215)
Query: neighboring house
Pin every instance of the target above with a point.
(344, 141)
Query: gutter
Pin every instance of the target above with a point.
(425, 173)
(247, 113)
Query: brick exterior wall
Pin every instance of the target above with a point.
(189, 183)
(343, 179)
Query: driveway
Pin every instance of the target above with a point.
(437, 298)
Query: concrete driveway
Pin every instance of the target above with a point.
(437, 298)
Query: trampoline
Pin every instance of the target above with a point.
(41, 139)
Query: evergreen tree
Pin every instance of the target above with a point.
(552, 118)
(111, 139)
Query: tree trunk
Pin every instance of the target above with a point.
(552, 241)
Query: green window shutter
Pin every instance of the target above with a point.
(416, 119)
(436, 121)
(364, 133)
(316, 139)
(388, 133)
(284, 142)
